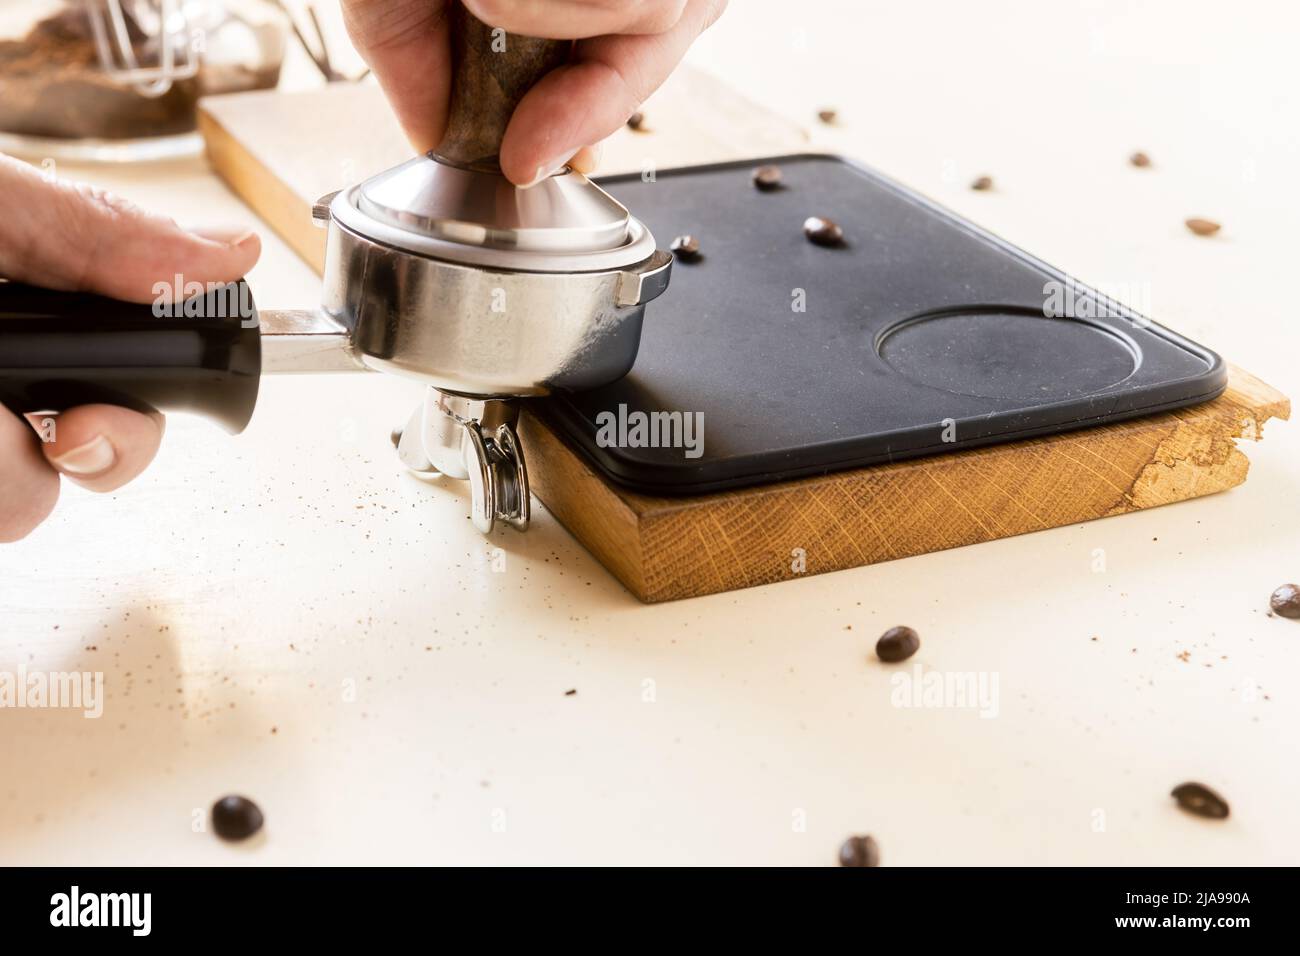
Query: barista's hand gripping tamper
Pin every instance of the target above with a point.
(439, 269)
(443, 270)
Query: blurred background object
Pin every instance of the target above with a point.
(119, 80)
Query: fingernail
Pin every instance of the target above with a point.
(94, 457)
(231, 234)
(544, 171)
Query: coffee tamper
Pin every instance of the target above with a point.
(439, 270)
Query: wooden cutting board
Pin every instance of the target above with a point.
(280, 152)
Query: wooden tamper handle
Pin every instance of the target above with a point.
(491, 72)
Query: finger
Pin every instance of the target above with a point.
(29, 487)
(587, 159)
(405, 44)
(582, 103)
(66, 236)
(102, 447)
(577, 19)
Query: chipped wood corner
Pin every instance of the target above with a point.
(1200, 455)
(668, 548)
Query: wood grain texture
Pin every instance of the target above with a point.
(490, 75)
(668, 548)
(272, 150)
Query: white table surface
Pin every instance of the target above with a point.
(289, 615)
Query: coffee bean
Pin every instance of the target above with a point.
(1286, 601)
(767, 178)
(1140, 159)
(897, 644)
(1199, 799)
(983, 184)
(823, 232)
(686, 248)
(570, 693)
(236, 818)
(1203, 227)
(828, 116)
(859, 851)
(637, 121)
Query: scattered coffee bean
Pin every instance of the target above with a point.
(570, 693)
(828, 116)
(637, 121)
(1140, 159)
(897, 644)
(1203, 227)
(767, 178)
(859, 851)
(236, 818)
(823, 232)
(983, 184)
(686, 248)
(1199, 799)
(1286, 601)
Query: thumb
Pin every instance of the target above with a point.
(64, 236)
(102, 447)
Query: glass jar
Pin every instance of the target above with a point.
(121, 79)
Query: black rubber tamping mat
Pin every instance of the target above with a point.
(923, 334)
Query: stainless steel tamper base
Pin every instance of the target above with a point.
(485, 292)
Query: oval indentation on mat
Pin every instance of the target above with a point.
(1008, 353)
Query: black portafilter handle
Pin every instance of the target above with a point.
(61, 349)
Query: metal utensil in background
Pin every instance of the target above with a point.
(176, 55)
(119, 80)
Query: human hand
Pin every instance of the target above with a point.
(72, 237)
(625, 50)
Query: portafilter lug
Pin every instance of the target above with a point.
(472, 439)
(498, 477)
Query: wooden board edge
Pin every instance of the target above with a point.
(1260, 399)
(267, 195)
(584, 503)
(1199, 455)
(1240, 412)
(1169, 457)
